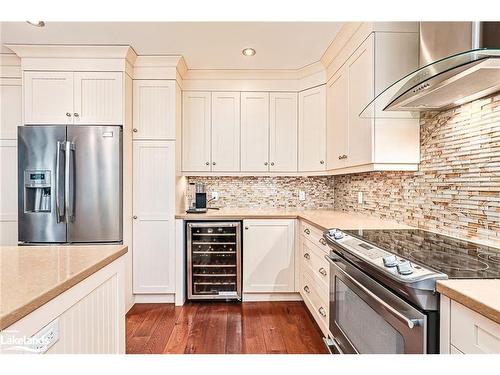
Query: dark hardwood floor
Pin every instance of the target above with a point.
(218, 328)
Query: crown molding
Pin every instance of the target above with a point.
(10, 66)
(73, 51)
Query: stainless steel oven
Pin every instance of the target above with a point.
(366, 317)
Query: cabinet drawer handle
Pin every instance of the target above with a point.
(68, 114)
(322, 162)
(307, 231)
(322, 271)
(322, 241)
(246, 228)
(306, 289)
(322, 312)
(307, 256)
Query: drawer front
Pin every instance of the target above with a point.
(314, 263)
(472, 333)
(316, 300)
(314, 235)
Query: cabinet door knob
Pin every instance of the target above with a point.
(68, 114)
(246, 228)
(272, 163)
(207, 163)
(135, 130)
(76, 114)
(214, 163)
(134, 217)
(307, 256)
(322, 162)
(340, 157)
(266, 163)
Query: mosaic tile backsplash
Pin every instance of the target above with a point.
(457, 188)
(270, 192)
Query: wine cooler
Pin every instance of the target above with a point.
(214, 260)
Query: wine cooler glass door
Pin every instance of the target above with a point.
(214, 253)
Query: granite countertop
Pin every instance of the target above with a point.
(480, 295)
(323, 219)
(30, 276)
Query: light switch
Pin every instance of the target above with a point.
(302, 195)
(215, 195)
(360, 197)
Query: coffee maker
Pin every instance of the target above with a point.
(197, 197)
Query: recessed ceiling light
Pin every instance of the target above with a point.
(36, 23)
(248, 52)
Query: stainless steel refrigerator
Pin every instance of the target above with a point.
(70, 184)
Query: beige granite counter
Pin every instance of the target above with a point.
(480, 295)
(323, 219)
(30, 276)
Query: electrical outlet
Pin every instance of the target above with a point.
(302, 195)
(45, 338)
(360, 197)
(215, 195)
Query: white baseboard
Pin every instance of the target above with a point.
(154, 298)
(255, 297)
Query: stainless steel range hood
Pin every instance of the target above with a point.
(460, 62)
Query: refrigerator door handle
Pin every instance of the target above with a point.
(60, 146)
(68, 194)
(71, 178)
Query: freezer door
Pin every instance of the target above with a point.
(94, 185)
(41, 184)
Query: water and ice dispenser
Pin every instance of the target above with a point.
(37, 191)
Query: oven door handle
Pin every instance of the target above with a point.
(401, 317)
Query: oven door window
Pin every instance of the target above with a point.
(366, 329)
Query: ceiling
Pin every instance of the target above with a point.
(204, 45)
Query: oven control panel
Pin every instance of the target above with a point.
(390, 263)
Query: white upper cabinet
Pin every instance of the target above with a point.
(154, 109)
(196, 113)
(87, 98)
(48, 97)
(337, 113)
(10, 107)
(98, 98)
(283, 132)
(254, 131)
(154, 209)
(268, 256)
(225, 132)
(360, 70)
(312, 129)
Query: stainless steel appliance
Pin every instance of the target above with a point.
(382, 293)
(70, 184)
(213, 260)
(459, 63)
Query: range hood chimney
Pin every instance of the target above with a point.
(459, 62)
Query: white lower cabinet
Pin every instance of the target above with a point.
(463, 330)
(153, 210)
(314, 276)
(268, 256)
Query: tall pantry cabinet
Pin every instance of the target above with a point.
(154, 133)
(10, 118)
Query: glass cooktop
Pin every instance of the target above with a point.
(456, 258)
